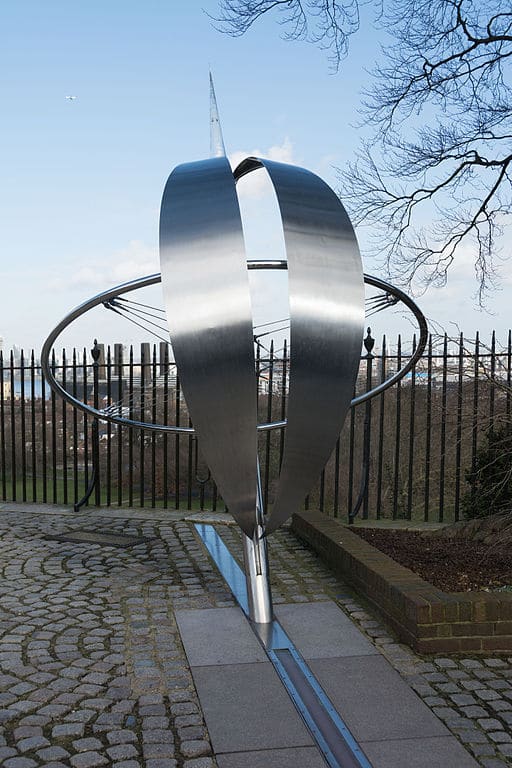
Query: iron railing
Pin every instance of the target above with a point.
(403, 454)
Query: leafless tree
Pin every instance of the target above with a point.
(436, 176)
(433, 177)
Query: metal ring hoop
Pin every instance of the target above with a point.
(144, 282)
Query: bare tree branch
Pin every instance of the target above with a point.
(327, 23)
(446, 188)
(437, 179)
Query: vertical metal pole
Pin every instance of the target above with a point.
(380, 459)
(509, 374)
(283, 401)
(492, 389)
(120, 433)
(268, 443)
(23, 428)
(398, 432)
(336, 479)
(33, 423)
(321, 495)
(189, 467)
(369, 343)
(64, 431)
(144, 376)
(165, 421)
(362, 498)
(257, 575)
(85, 426)
(43, 435)
(130, 432)
(412, 413)
(428, 431)
(109, 428)
(13, 430)
(153, 434)
(351, 462)
(177, 443)
(96, 352)
(2, 429)
(444, 414)
(474, 428)
(75, 426)
(54, 434)
(458, 445)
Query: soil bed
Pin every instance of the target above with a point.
(460, 565)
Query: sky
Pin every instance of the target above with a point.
(83, 177)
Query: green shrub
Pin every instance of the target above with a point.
(490, 479)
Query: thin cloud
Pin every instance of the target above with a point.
(136, 260)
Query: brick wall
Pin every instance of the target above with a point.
(424, 617)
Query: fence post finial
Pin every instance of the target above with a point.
(369, 342)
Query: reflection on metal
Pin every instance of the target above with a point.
(207, 300)
(326, 289)
(256, 564)
(328, 729)
(227, 565)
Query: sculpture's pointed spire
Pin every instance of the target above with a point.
(217, 148)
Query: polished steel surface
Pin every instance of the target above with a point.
(326, 290)
(255, 554)
(257, 576)
(207, 302)
(217, 148)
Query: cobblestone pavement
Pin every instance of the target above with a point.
(92, 670)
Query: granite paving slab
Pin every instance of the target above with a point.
(321, 630)
(246, 709)
(437, 752)
(218, 636)
(300, 757)
(374, 701)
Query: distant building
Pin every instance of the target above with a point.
(6, 389)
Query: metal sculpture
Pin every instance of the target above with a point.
(255, 564)
(207, 301)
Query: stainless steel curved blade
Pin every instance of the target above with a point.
(207, 300)
(326, 290)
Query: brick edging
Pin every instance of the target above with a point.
(424, 617)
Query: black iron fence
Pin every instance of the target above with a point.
(404, 454)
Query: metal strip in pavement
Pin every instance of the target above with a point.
(225, 562)
(330, 732)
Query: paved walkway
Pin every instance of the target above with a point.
(92, 667)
